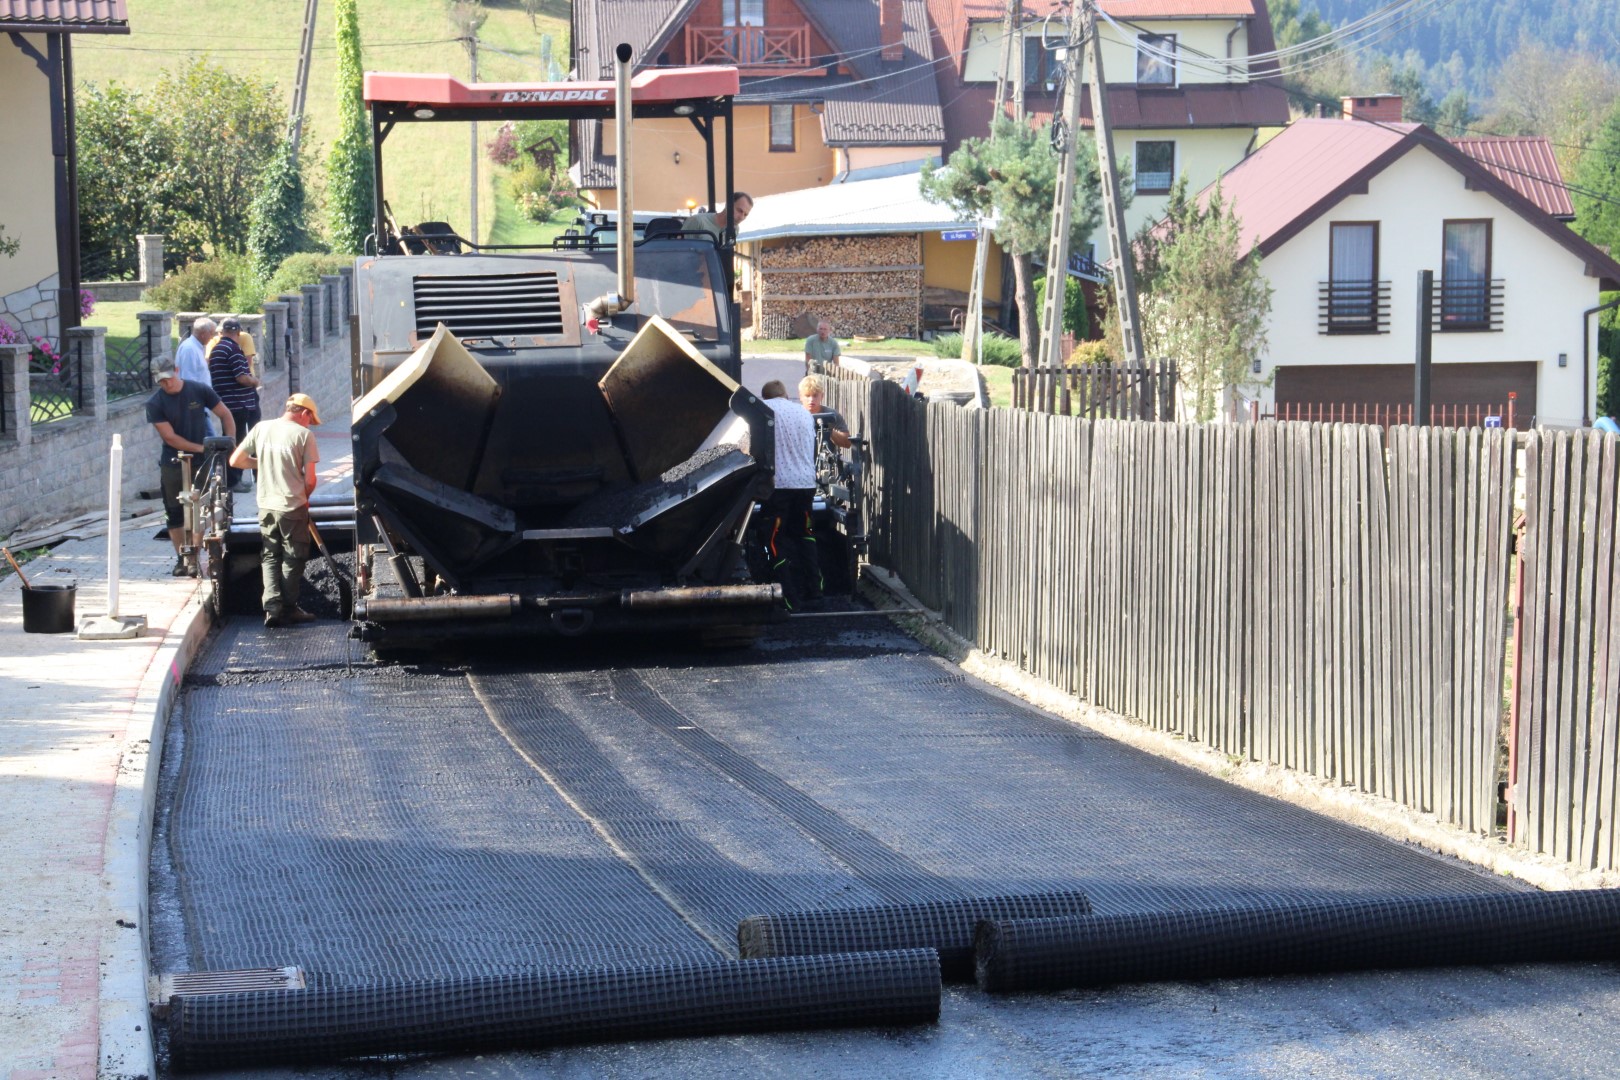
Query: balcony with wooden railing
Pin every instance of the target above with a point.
(769, 47)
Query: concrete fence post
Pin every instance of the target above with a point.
(332, 297)
(157, 329)
(14, 394)
(183, 321)
(86, 348)
(254, 325)
(294, 339)
(149, 248)
(273, 346)
(347, 274)
(314, 316)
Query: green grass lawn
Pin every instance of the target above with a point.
(998, 384)
(511, 227)
(425, 166)
(795, 346)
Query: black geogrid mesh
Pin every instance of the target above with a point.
(365, 832)
(998, 798)
(1288, 938)
(713, 844)
(660, 1000)
(945, 925)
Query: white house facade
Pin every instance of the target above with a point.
(1346, 215)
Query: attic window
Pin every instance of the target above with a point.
(1156, 60)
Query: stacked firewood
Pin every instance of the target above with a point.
(866, 286)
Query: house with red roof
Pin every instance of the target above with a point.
(38, 208)
(1183, 96)
(828, 87)
(1346, 213)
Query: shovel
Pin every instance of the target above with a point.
(20, 575)
(345, 582)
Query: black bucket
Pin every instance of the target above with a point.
(48, 609)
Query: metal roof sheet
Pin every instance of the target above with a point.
(1525, 163)
(1310, 167)
(1131, 9)
(888, 204)
(105, 16)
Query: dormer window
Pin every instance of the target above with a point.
(1156, 60)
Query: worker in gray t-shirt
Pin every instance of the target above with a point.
(283, 451)
(821, 349)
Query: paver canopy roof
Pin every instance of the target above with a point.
(105, 16)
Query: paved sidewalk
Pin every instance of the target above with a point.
(77, 721)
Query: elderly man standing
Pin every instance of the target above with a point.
(231, 375)
(191, 359)
(821, 349)
(283, 451)
(177, 410)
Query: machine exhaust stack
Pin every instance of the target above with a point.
(610, 304)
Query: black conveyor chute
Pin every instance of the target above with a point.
(945, 925)
(1298, 938)
(576, 1005)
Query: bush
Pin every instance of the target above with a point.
(276, 220)
(305, 268)
(540, 194)
(200, 286)
(503, 148)
(1091, 352)
(999, 349)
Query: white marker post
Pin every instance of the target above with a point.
(112, 626)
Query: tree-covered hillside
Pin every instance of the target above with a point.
(1484, 34)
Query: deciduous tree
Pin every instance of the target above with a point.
(1203, 303)
(1013, 174)
(277, 225)
(350, 195)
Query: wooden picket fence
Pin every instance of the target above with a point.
(1287, 593)
(1567, 706)
(1141, 391)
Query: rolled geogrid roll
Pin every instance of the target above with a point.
(945, 925)
(1292, 938)
(549, 1008)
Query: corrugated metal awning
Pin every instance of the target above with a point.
(65, 16)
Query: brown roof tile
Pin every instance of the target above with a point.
(1308, 169)
(108, 16)
(1526, 164)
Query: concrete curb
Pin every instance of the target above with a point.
(1388, 819)
(125, 1016)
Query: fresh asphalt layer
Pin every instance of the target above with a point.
(377, 822)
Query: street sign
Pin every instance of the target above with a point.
(959, 234)
(1493, 421)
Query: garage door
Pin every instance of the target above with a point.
(1391, 384)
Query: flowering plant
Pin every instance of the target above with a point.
(87, 303)
(10, 335)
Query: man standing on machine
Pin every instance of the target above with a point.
(283, 451)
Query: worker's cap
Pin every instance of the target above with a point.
(230, 324)
(304, 401)
(164, 371)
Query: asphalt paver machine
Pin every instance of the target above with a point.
(535, 429)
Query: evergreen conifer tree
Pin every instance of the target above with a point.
(276, 222)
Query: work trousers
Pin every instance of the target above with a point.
(286, 549)
(790, 546)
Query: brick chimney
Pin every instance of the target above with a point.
(891, 28)
(1382, 108)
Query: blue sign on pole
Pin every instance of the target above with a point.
(1493, 421)
(959, 234)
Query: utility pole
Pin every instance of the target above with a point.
(471, 41)
(973, 318)
(295, 122)
(1124, 269)
(1425, 349)
(1065, 134)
